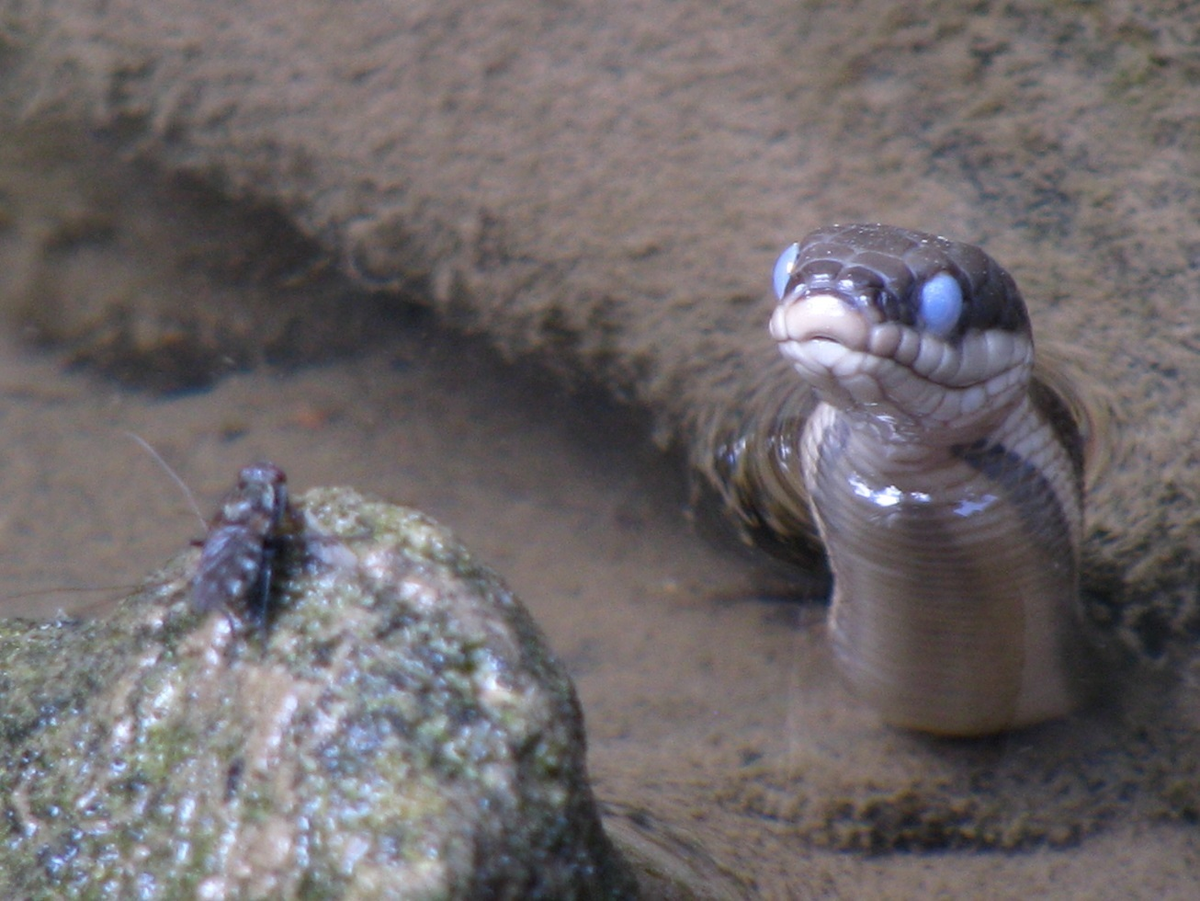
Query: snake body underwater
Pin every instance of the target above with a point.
(945, 479)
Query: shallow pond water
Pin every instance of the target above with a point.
(690, 674)
(719, 735)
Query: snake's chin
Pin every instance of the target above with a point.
(951, 391)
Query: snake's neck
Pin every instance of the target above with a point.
(955, 570)
(894, 466)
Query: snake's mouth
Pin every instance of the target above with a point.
(853, 358)
(821, 317)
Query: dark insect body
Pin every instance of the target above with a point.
(244, 539)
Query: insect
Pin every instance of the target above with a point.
(244, 539)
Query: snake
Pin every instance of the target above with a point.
(940, 469)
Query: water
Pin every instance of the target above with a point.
(712, 709)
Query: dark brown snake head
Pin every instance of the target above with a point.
(924, 334)
(907, 277)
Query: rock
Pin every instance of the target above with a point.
(395, 727)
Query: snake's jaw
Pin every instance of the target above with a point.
(945, 392)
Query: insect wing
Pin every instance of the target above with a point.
(231, 566)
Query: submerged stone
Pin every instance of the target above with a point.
(394, 727)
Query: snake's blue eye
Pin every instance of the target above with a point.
(941, 304)
(783, 269)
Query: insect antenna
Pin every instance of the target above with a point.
(187, 492)
(93, 606)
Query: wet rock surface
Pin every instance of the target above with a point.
(396, 728)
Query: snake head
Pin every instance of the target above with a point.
(910, 329)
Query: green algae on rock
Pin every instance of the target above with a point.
(397, 729)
